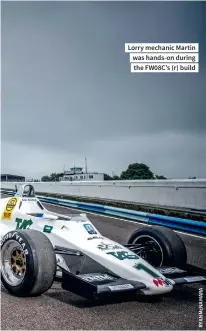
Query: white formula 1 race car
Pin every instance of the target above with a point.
(38, 246)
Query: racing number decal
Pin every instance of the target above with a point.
(11, 204)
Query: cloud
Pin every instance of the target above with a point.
(67, 90)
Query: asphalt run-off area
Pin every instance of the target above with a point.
(61, 310)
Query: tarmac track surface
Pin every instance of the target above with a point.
(61, 310)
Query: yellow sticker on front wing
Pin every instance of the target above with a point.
(11, 204)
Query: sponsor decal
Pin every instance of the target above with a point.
(158, 282)
(29, 199)
(94, 237)
(7, 213)
(23, 224)
(123, 255)
(6, 216)
(80, 220)
(48, 229)
(99, 278)
(11, 204)
(7, 236)
(140, 266)
(90, 229)
(121, 287)
(18, 238)
(170, 270)
(167, 282)
(108, 247)
(195, 279)
(161, 282)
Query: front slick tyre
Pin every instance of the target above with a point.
(28, 263)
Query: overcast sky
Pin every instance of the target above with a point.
(67, 89)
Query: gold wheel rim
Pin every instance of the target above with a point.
(18, 263)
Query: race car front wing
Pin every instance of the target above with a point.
(187, 274)
(98, 285)
(94, 285)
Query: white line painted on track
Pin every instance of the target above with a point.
(191, 235)
(121, 219)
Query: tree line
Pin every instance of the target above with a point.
(136, 171)
(133, 171)
(54, 177)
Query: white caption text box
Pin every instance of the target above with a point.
(164, 67)
(164, 57)
(160, 47)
